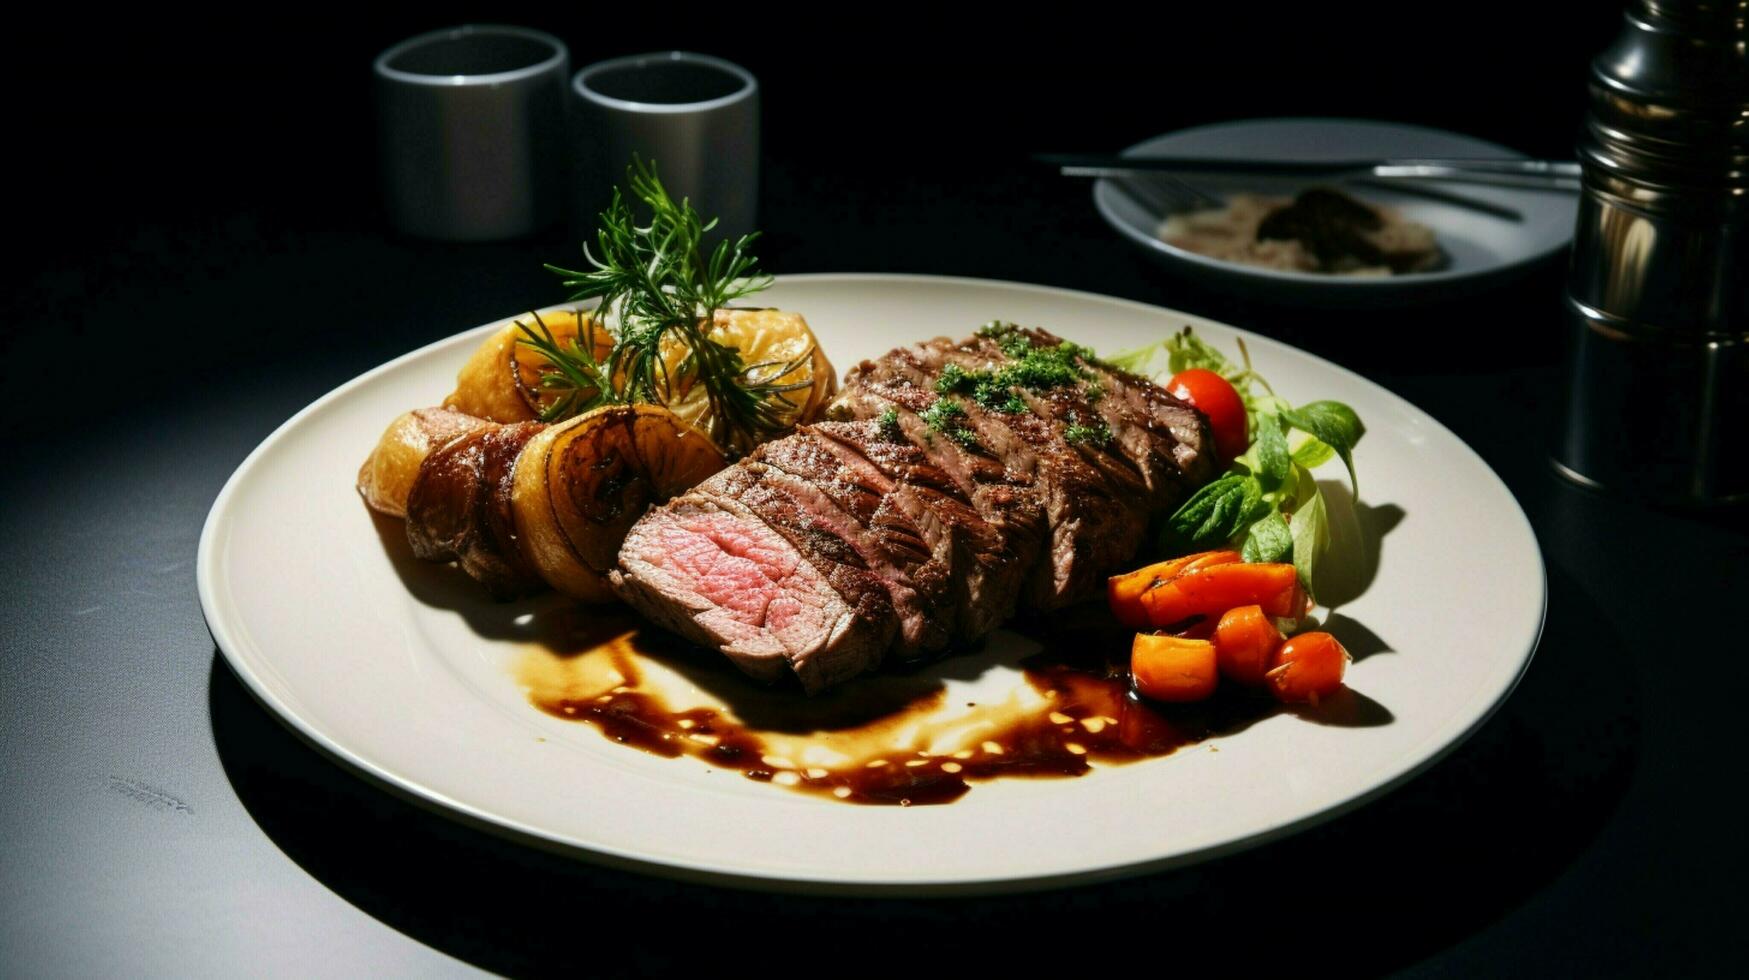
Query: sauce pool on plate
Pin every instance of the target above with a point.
(892, 738)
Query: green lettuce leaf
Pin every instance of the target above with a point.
(1334, 424)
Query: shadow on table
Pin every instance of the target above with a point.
(1385, 886)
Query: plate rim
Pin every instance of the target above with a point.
(1356, 285)
(407, 788)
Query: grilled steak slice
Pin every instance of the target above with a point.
(1162, 436)
(1001, 496)
(984, 559)
(822, 535)
(1094, 520)
(885, 537)
(958, 480)
(710, 570)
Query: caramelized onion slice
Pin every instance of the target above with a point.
(581, 484)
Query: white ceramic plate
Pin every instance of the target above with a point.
(1480, 246)
(415, 689)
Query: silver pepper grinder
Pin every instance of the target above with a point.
(1658, 294)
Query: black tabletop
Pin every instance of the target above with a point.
(199, 252)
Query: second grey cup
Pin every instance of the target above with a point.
(696, 117)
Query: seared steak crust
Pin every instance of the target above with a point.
(890, 531)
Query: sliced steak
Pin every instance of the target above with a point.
(924, 514)
(1003, 498)
(821, 533)
(1094, 522)
(984, 527)
(1162, 436)
(855, 502)
(708, 569)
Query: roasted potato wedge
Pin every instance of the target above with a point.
(501, 381)
(388, 474)
(768, 340)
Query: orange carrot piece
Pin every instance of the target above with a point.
(1124, 592)
(1207, 559)
(1308, 669)
(1172, 668)
(1245, 644)
(1211, 591)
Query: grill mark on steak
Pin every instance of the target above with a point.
(1160, 435)
(983, 564)
(889, 542)
(1071, 405)
(1093, 524)
(1002, 496)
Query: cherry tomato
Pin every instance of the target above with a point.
(1214, 397)
(1308, 668)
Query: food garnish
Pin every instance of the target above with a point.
(1202, 629)
(1308, 668)
(501, 380)
(1211, 591)
(1267, 504)
(658, 293)
(1124, 592)
(1215, 397)
(775, 337)
(1264, 517)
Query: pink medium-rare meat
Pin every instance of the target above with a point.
(715, 574)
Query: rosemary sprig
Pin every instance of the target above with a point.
(582, 382)
(654, 285)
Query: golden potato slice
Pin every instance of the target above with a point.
(387, 475)
(501, 381)
(581, 484)
(768, 340)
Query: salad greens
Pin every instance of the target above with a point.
(1267, 504)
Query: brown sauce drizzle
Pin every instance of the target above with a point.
(1080, 711)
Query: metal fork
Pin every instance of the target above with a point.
(1162, 195)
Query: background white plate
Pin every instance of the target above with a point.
(413, 685)
(1480, 246)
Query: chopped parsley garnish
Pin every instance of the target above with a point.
(1031, 368)
(889, 423)
(1098, 434)
(949, 419)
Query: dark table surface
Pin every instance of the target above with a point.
(231, 266)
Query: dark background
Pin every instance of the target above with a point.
(164, 161)
(198, 251)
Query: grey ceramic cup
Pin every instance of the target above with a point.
(696, 117)
(472, 132)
